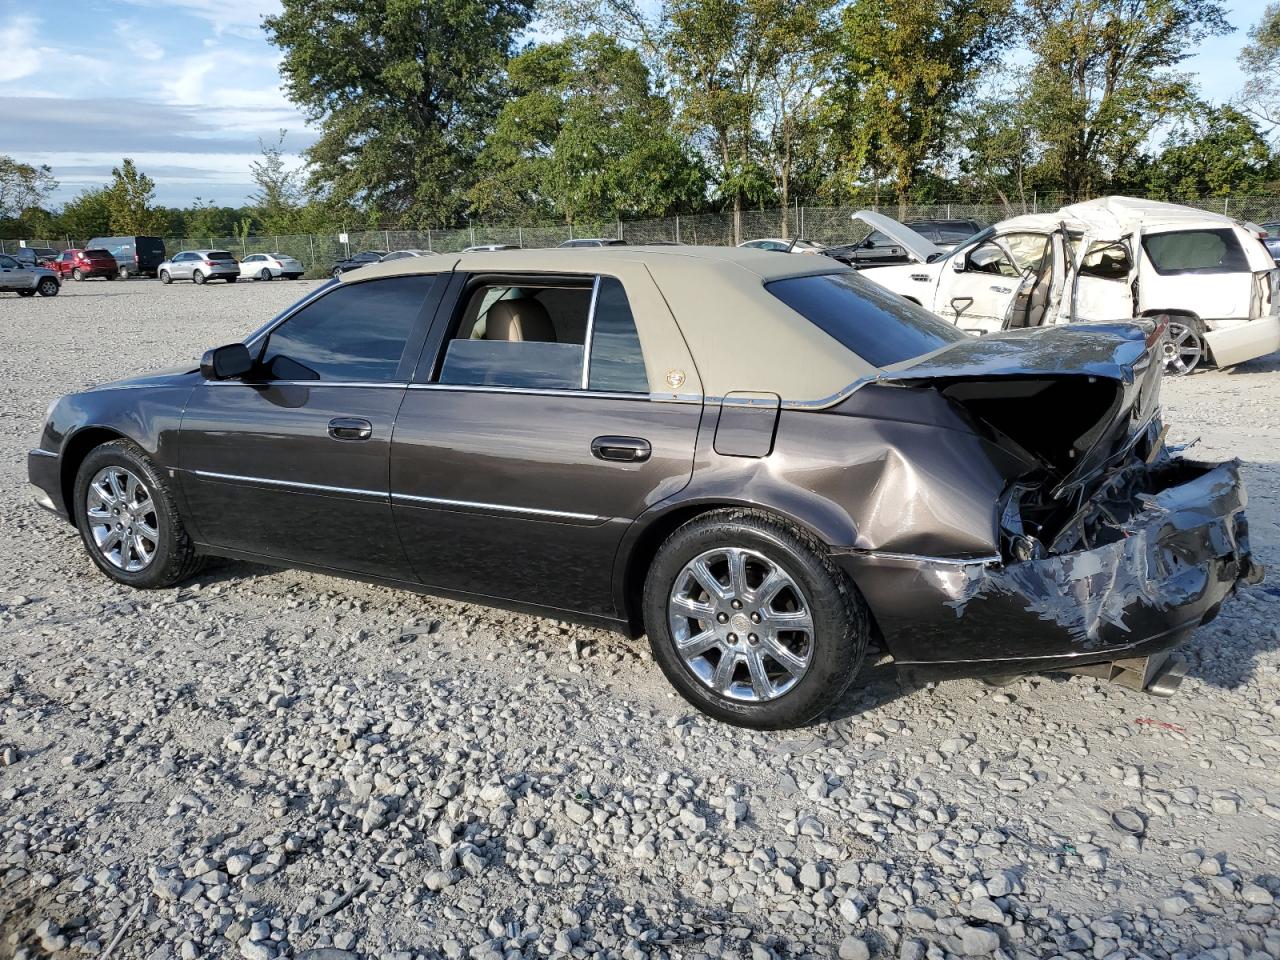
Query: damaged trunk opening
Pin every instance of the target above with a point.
(1112, 550)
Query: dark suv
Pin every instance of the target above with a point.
(135, 255)
(946, 234)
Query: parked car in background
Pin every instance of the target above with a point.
(35, 256)
(136, 256)
(268, 266)
(489, 246)
(361, 259)
(1105, 259)
(594, 242)
(758, 460)
(83, 264)
(779, 245)
(200, 266)
(406, 254)
(945, 234)
(27, 279)
(874, 250)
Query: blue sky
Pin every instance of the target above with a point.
(187, 87)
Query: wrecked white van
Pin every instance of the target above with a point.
(1106, 259)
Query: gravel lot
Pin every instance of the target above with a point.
(272, 763)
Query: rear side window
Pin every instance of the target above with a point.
(97, 252)
(617, 363)
(877, 325)
(1196, 251)
(355, 333)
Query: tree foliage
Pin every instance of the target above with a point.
(278, 195)
(1260, 61)
(130, 198)
(904, 67)
(403, 91)
(23, 186)
(584, 138)
(1104, 76)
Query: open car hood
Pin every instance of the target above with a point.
(1071, 400)
(919, 247)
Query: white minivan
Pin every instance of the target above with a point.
(1105, 259)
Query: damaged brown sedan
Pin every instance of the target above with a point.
(760, 461)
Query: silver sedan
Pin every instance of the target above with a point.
(26, 280)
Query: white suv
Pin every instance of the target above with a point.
(1106, 259)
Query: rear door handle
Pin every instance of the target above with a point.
(621, 449)
(1002, 289)
(350, 428)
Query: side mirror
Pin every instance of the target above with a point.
(960, 262)
(226, 363)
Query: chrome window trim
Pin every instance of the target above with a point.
(532, 391)
(365, 384)
(591, 325)
(497, 507)
(994, 558)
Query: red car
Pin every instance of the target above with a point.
(82, 264)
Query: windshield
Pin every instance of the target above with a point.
(977, 238)
(877, 325)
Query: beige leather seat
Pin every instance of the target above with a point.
(519, 320)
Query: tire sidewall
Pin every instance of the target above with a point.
(48, 287)
(129, 456)
(164, 277)
(838, 643)
(197, 277)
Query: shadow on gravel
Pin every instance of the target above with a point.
(1267, 364)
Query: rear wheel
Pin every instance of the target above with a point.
(1184, 348)
(76, 274)
(265, 274)
(164, 277)
(47, 287)
(751, 621)
(231, 279)
(123, 274)
(336, 272)
(198, 277)
(128, 520)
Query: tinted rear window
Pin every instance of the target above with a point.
(219, 255)
(877, 325)
(1196, 251)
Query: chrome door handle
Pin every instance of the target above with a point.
(350, 428)
(621, 449)
(1002, 289)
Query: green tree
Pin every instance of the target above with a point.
(1219, 154)
(404, 92)
(277, 196)
(584, 138)
(1260, 61)
(904, 68)
(130, 198)
(22, 186)
(997, 158)
(88, 215)
(1103, 77)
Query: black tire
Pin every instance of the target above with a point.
(175, 559)
(336, 272)
(839, 616)
(231, 279)
(77, 274)
(197, 277)
(265, 274)
(48, 287)
(164, 277)
(26, 293)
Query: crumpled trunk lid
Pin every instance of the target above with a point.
(1070, 400)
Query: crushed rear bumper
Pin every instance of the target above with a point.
(1170, 567)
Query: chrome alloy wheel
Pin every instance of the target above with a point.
(741, 624)
(1183, 350)
(122, 518)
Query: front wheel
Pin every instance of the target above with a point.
(26, 293)
(164, 277)
(751, 621)
(47, 287)
(336, 272)
(128, 519)
(198, 277)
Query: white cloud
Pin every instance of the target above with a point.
(137, 42)
(242, 18)
(19, 56)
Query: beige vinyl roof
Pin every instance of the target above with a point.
(706, 324)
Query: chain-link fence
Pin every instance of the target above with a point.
(828, 225)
